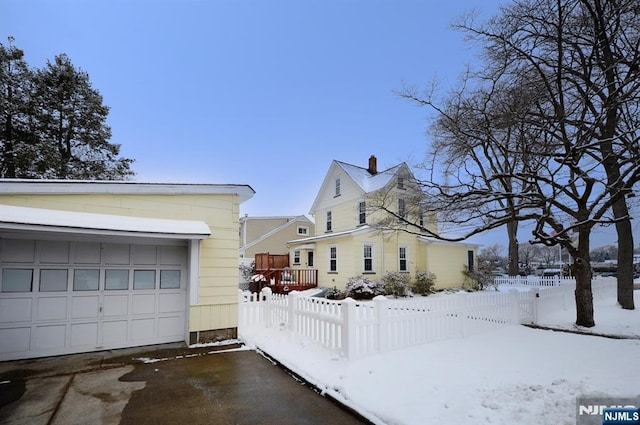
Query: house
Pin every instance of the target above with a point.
(349, 242)
(271, 234)
(95, 265)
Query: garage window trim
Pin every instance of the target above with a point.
(169, 279)
(86, 279)
(17, 280)
(53, 280)
(144, 279)
(116, 280)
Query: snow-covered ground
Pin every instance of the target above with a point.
(513, 375)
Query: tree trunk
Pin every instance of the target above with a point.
(512, 232)
(624, 273)
(582, 272)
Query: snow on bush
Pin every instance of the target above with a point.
(396, 283)
(362, 288)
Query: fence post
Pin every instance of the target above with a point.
(264, 303)
(348, 328)
(462, 314)
(535, 295)
(382, 315)
(292, 320)
(515, 307)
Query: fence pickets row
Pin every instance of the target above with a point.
(355, 329)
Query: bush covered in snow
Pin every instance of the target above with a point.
(362, 288)
(423, 283)
(334, 294)
(396, 283)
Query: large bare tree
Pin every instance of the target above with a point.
(579, 128)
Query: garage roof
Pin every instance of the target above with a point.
(23, 218)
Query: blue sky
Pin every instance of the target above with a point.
(265, 93)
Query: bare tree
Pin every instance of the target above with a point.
(581, 134)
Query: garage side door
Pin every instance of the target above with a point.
(62, 297)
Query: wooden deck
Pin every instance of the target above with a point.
(283, 281)
(273, 271)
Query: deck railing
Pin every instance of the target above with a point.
(285, 280)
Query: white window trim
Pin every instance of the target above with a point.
(360, 212)
(303, 230)
(406, 257)
(329, 256)
(373, 256)
(296, 254)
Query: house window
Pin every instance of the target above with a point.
(402, 210)
(303, 230)
(333, 259)
(367, 256)
(296, 256)
(310, 259)
(338, 186)
(400, 182)
(421, 219)
(403, 264)
(470, 261)
(329, 221)
(362, 213)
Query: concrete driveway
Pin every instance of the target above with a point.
(191, 386)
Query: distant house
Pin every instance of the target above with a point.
(270, 234)
(94, 265)
(348, 243)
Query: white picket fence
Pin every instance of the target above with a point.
(533, 280)
(355, 329)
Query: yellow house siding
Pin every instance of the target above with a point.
(448, 263)
(256, 227)
(217, 308)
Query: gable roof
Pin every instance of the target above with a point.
(369, 182)
(293, 219)
(364, 180)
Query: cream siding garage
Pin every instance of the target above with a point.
(78, 282)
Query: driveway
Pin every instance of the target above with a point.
(231, 385)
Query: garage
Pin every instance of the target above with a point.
(78, 282)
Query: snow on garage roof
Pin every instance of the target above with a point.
(24, 218)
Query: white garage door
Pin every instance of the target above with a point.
(61, 297)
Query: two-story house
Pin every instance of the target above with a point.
(351, 237)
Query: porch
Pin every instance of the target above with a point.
(273, 271)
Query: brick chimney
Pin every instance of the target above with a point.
(373, 165)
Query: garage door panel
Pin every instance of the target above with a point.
(48, 337)
(54, 252)
(15, 310)
(85, 307)
(52, 308)
(116, 305)
(114, 332)
(142, 329)
(84, 334)
(143, 304)
(171, 302)
(15, 340)
(170, 326)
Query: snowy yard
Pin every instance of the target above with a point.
(512, 375)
